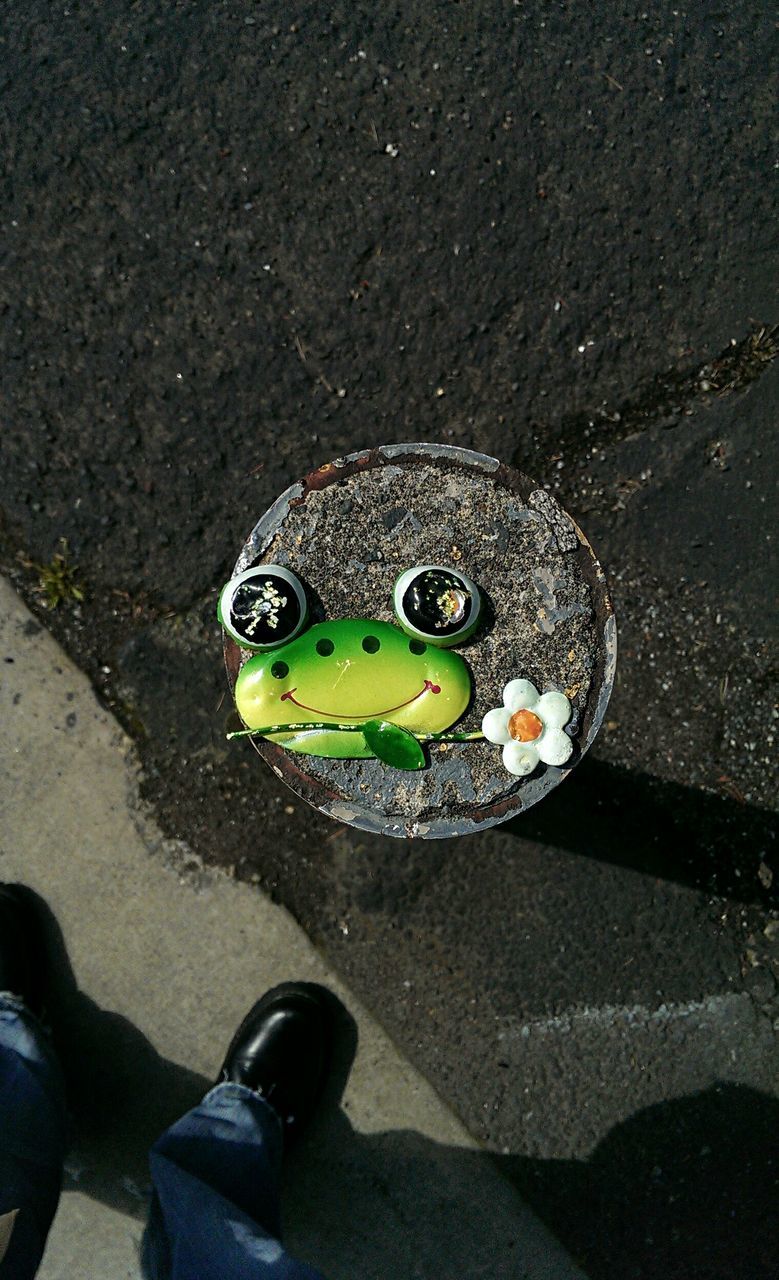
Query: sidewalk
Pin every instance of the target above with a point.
(168, 957)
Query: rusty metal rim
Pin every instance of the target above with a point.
(527, 792)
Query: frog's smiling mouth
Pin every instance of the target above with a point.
(288, 697)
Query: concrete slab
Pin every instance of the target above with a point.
(167, 957)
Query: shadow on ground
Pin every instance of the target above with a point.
(373, 1205)
(685, 1188)
(647, 824)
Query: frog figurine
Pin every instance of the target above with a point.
(350, 672)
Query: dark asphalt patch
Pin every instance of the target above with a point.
(484, 226)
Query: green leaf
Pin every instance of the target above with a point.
(393, 745)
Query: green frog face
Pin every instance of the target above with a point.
(352, 670)
(355, 670)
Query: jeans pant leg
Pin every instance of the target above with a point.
(215, 1206)
(33, 1135)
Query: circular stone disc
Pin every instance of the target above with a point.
(351, 527)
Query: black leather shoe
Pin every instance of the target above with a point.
(281, 1050)
(22, 953)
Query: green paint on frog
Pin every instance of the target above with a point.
(357, 670)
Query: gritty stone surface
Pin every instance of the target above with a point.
(206, 242)
(351, 539)
(210, 256)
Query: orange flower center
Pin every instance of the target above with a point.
(525, 726)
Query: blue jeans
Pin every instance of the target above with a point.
(33, 1136)
(215, 1204)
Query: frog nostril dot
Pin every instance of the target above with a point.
(324, 648)
(416, 646)
(371, 645)
(279, 670)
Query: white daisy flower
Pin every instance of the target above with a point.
(529, 727)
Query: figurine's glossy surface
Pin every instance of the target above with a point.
(355, 669)
(263, 607)
(437, 604)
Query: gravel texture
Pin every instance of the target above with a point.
(239, 241)
(350, 538)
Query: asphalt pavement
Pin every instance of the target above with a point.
(239, 242)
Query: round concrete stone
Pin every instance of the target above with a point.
(349, 528)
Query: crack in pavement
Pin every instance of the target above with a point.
(664, 401)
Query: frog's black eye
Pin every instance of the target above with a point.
(441, 606)
(263, 607)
